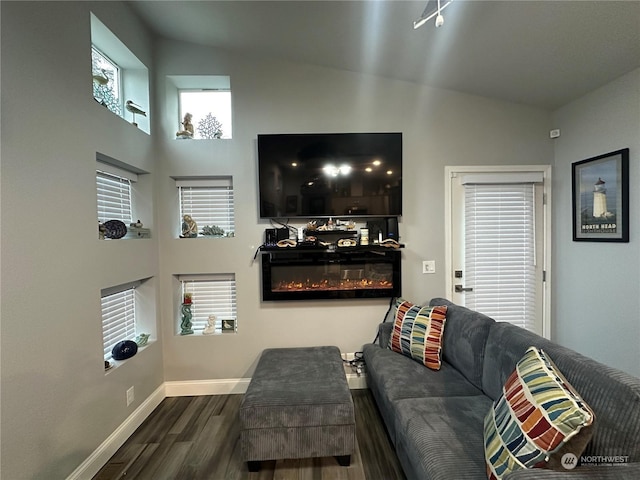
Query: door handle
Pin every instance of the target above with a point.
(459, 288)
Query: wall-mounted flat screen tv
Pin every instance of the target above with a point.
(330, 175)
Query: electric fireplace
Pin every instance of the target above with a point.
(330, 274)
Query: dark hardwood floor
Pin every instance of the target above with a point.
(197, 438)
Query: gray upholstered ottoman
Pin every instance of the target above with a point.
(298, 405)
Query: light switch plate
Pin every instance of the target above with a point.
(428, 266)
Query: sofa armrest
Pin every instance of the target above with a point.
(622, 471)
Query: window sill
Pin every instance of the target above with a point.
(199, 333)
(207, 237)
(118, 363)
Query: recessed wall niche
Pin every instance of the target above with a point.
(122, 78)
(200, 106)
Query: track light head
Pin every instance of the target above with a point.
(432, 11)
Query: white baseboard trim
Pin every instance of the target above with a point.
(230, 386)
(357, 382)
(206, 387)
(105, 451)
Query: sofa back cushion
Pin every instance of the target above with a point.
(614, 396)
(384, 333)
(465, 336)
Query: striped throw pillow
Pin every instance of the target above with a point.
(417, 332)
(536, 415)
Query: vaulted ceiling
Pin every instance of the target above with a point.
(540, 53)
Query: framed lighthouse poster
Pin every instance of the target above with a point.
(601, 198)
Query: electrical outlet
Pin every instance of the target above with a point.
(428, 266)
(130, 396)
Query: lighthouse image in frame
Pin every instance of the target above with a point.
(601, 198)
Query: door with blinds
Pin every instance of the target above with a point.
(499, 243)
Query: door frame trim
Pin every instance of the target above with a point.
(451, 172)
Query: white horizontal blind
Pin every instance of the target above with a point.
(114, 197)
(215, 295)
(208, 202)
(500, 252)
(118, 319)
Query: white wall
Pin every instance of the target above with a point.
(440, 128)
(597, 285)
(58, 405)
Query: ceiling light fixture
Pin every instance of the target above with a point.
(333, 171)
(429, 13)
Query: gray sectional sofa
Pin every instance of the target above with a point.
(435, 418)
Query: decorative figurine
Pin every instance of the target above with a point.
(102, 230)
(101, 78)
(211, 326)
(187, 127)
(135, 110)
(212, 231)
(189, 227)
(210, 127)
(186, 320)
(142, 339)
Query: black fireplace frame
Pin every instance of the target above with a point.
(320, 257)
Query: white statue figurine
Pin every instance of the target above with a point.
(189, 227)
(211, 326)
(187, 130)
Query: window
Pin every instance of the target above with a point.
(500, 252)
(114, 197)
(213, 294)
(118, 316)
(106, 81)
(207, 98)
(498, 226)
(114, 193)
(210, 110)
(209, 202)
(118, 75)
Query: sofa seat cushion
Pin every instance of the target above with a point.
(441, 437)
(392, 376)
(400, 377)
(537, 414)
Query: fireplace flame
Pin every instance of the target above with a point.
(329, 285)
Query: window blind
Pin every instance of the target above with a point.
(118, 319)
(211, 295)
(500, 252)
(209, 202)
(114, 197)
